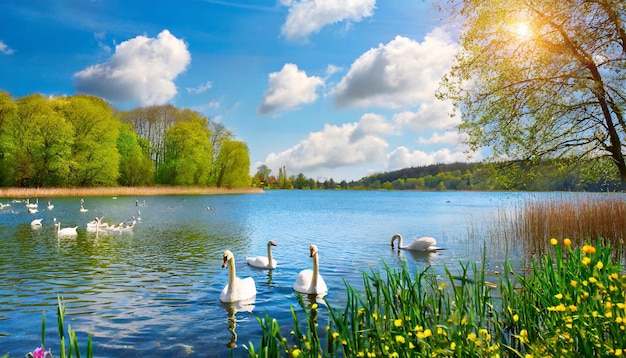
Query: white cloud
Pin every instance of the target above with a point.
(142, 69)
(5, 49)
(288, 89)
(449, 137)
(309, 16)
(402, 157)
(371, 124)
(334, 147)
(201, 88)
(430, 114)
(402, 72)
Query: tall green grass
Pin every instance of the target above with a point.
(571, 304)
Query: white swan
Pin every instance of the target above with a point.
(82, 209)
(264, 262)
(425, 243)
(36, 222)
(50, 206)
(310, 281)
(236, 289)
(66, 231)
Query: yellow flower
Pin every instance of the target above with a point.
(593, 280)
(618, 352)
(452, 346)
(400, 339)
(360, 354)
(572, 308)
(397, 322)
(554, 241)
(371, 354)
(573, 283)
(439, 330)
(558, 296)
(586, 261)
(314, 306)
(528, 355)
(515, 318)
(295, 353)
(411, 345)
(599, 265)
(394, 355)
(471, 337)
(374, 316)
(588, 249)
(567, 242)
(335, 334)
(428, 333)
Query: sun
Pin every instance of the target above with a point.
(522, 31)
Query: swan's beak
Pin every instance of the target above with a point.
(273, 243)
(225, 262)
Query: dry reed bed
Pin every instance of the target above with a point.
(580, 219)
(121, 191)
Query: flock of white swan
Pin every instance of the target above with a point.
(309, 281)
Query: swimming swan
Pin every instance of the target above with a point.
(237, 289)
(66, 231)
(264, 262)
(425, 243)
(310, 281)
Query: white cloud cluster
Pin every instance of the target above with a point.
(309, 16)
(402, 157)
(289, 88)
(334, 146)
(399, 73)
(5, 49)
(142, 69)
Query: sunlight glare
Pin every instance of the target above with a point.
(522, 31)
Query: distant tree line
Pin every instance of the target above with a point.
(82, 141)
(552, 175)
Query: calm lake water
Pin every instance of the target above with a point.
(154, 292)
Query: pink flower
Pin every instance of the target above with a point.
(40, 353)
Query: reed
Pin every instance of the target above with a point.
(572, 304)
(121, 191)
(578, 218)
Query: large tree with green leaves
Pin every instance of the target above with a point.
(542, 78)
(188, 155)
(136, 167)
(232, 165)
(95, 159)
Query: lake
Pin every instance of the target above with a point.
(154, 292)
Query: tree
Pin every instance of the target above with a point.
(95, 159)
(233, 165)
(136, 167)
(38, 144)
(262, 175)
(188, 156)
(8, 114)
(540, 79)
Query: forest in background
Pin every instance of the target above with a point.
(81, 141)
(550, 175)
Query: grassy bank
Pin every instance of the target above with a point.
(573, 305)
(121, 191)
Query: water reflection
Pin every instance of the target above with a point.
(231, 309)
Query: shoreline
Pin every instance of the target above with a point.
(14, 192)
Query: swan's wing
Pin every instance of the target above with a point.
(422, 243)
(321, 288)
(258, 261)
(303, 282)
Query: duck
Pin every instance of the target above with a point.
(264, 262)
(236, 289)
(426, 244)
(310, 281)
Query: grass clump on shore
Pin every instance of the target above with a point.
(572, 304)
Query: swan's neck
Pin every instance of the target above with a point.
(316, 271)
(231, 275)
(269, 253)
(399, 237)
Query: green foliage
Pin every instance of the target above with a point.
(232, 165)
(552, 91)
(80, 141)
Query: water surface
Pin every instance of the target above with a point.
(155, 292)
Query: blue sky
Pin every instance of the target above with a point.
(332, 89)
